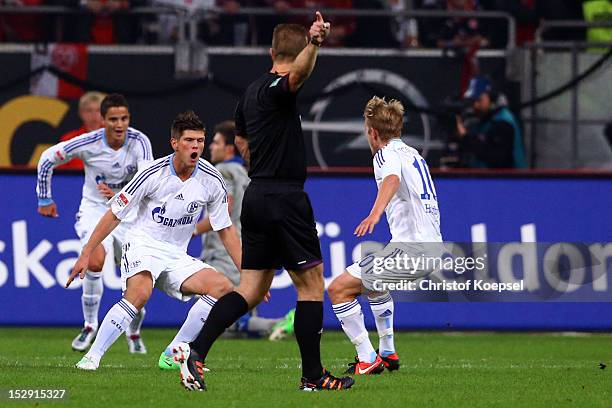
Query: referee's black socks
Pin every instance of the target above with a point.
(223, 314)
(308, 326)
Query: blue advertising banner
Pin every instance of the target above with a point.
(36, 253)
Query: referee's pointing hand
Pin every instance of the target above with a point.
(319, 29)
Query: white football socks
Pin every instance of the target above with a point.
(116, 321)
(93, 287)
(382, 309)
(195, 320)
(134, 328)
(351, 319)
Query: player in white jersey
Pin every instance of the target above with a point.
(168, 195)
(407, 195)
(111, 157)
(223, 155)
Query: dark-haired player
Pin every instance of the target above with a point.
(112, 155)
(224, 156)
(168, 196)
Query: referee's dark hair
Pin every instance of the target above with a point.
(187, 120)
(227, 129)
(114, 100)
(288, 40)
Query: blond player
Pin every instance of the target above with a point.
(407, 195)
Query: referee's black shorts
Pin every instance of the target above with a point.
(278, 227)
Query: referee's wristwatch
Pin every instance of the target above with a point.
(316, 42)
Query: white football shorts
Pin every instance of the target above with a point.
(169, 266)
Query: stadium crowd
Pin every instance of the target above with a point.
(111, 22)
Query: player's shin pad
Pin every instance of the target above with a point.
(386, 332)
(360, 339)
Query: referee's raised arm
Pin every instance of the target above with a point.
(305, 61)
(278, 225)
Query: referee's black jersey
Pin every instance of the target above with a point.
(267, 117)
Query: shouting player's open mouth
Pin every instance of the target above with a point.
(194, 157)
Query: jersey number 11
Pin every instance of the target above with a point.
(425, 195)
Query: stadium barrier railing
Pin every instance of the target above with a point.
(537, 51)
(188, 18)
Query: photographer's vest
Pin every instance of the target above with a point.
(518, 151)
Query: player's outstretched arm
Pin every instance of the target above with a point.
(49, 160)
(105, 226)
(304, 63)
(230, 240)
(387, 190)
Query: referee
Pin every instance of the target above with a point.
(278, 227)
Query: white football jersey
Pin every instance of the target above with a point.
(168, 208)
(102, 163)
(412, 213)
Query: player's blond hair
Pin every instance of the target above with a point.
(386, 117)
(91, 97)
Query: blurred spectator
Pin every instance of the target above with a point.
(406, 29)
(493, 137)
(89, 112)
(453, 32)
(342, 26)
(372, 31)
(23, 27)
(560, 10)
(105, 22)
(524, 14)
(265, 24)
(167, 28)
(228, 28)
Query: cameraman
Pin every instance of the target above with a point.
(493, 139)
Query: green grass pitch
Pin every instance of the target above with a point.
(439, 370)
